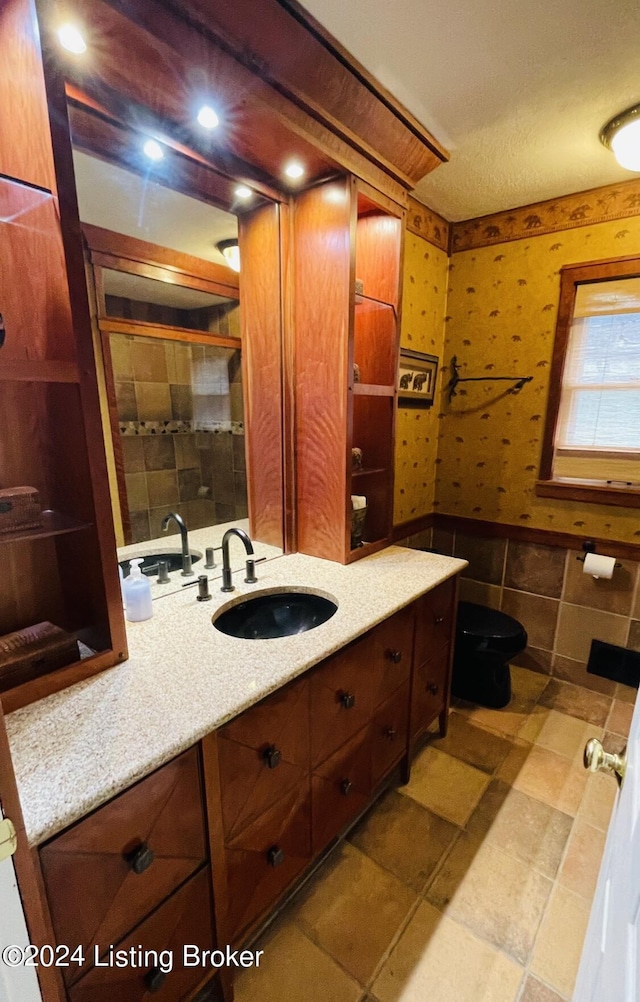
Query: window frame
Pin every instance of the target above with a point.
(571, 276)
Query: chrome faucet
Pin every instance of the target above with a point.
(227, 584)
(187, 570)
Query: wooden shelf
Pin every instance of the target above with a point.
(373, 390)
(38, 371)
(54, 523)
(370, 472)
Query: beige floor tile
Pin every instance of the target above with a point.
(405, 838)
(552, 779)
(426, 964)
(503, 722)
(497, 896)
(534, 723)
(599, 798)
(473, 744)
(556, 954)
(522, 827)
(627, 693)
(581, 865)
(566, 735)
(620, 717)
(353, 909)
(515, 760)
(536, 991)
(292, 969)
(445, 785)
(576, 701)
(527, 686)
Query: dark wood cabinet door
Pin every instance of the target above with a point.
(435, 614)
(266, 857)
(341, 699)
(104, 874)
(340, 788)
(389, 734)
(430, 691)
(390, 651)
(263, 754)
(186, 917)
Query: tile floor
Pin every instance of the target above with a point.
(473, 883)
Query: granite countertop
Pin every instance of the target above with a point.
(76, 749)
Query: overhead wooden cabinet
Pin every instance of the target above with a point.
(348, 243)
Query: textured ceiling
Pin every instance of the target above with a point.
(517, 91)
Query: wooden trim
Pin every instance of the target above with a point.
(114, 247)
(287, 298)
(140, 328)
(589, 493)
(528, 534)
(584, 208)
(424, 222)
(415, 525)
(114, 428)
(55, 681)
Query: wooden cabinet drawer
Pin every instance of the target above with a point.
(389, 734)
(107, 872)
(434, 621)
(340, 788)
(263, 754)
(186, 917)
(341, 699)
(263, 859)
(429, 695)
(390, 646)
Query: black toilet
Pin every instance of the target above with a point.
(486, 641)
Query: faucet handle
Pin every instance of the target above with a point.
(210, 557)
(251, 570)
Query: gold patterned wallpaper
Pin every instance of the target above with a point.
(423, 308)
(501, 316)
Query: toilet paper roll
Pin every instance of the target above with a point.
(598, 565)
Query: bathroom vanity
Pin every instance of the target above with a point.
(188, 791)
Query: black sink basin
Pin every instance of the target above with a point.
(149, 565)
(282, 614)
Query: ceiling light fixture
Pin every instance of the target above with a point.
(70, 39)
(153, 150)
(230, 252)
(207, 117)
(294, 171)
(621, 135)
(242, 192)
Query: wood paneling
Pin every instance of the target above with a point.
(95, 883)
(25, 150)
(324, 274)
(378, 237)
(260, 319)
(186, 917)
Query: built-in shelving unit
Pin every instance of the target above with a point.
(347, 272)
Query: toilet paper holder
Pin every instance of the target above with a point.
(590, 547)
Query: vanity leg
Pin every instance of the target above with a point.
(405, 770)
(443, 721)
(226, 985)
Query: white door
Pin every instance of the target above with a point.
(610, 964)
(17, 984)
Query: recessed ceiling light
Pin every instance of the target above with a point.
(243, 192)
(70, 39)
(622, 136)
(207, 117)
(294, 171)
(153, 150)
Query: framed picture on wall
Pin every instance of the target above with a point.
(417, 376)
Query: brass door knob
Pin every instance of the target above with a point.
(596, 759)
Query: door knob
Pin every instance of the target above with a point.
(597, 759)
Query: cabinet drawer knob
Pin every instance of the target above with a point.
(272, 756)
(275, 856)
(391, 733)
(154, 979)
(141, 858)
(394, 656)
(346, 786)
(438, 619)
(348, 700)
(433, 688)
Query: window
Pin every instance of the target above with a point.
(591, 449)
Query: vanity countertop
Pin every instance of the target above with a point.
(76, 749)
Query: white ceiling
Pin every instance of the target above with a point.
(517, 90)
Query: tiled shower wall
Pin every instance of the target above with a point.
(544, 587)
(174, 467)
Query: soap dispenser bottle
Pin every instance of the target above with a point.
(137, 593)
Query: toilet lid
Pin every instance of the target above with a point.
(481, 621)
